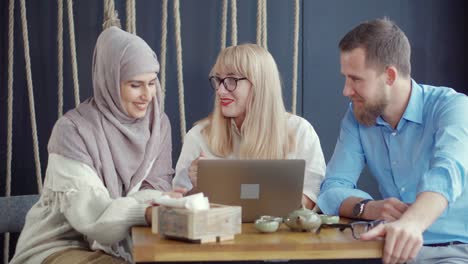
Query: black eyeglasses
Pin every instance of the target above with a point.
(230, 83)
(357, 228)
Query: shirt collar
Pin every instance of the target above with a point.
(414, 109)
(234, 127)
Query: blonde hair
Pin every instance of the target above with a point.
(264, 130)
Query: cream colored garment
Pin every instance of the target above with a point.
(76, 211)
(307, 148)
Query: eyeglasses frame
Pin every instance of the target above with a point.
(221, 81)
(342, 227)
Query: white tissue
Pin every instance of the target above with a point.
(192, 202)
(197, 202)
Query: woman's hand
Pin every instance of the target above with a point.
(149, 214)
(175, 193)
(307, 202)
(193, 170)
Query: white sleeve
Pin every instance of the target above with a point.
(87, 205)
(191, 150)
(309, 149)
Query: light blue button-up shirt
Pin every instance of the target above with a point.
(428, 151)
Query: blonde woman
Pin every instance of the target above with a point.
(249, 121)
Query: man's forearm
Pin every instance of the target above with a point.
(392, 209)
(426, 209)
(346, 208)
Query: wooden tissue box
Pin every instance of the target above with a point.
(216, 224)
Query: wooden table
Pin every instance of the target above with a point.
(252, 245)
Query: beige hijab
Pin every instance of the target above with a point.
(123, 150)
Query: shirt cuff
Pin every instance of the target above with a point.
(136, 215)
(329, 201)
(146, 196)
(439, 181)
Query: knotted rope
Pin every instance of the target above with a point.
(11, 24)
(111, 18)
(60, 57)
(24, 25)
(295, 55)
(71, 28)
(233, 22)
(224, 23)
(163, 52)
(131, 25)
(180, 77)
(262, 23)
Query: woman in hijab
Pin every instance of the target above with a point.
(249, 121)
(107, 159)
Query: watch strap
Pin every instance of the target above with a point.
(358, 209)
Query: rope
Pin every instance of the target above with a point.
(264, 25)
(111, 18)
(162, 69)
(71, 28)
(180, 77)
(130, 7)
(24, 24)
(259, 21)
(224, 23)
(11, 24)
(295, 55)
(60, 56)
(10, 96)
(233, 22)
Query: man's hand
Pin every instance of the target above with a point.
(390, 209)
(403, 240)
(193, 170)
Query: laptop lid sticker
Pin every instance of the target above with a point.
(250, 191)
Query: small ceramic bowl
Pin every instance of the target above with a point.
(268, 224)
(329, 219)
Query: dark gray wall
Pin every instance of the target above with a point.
(436, 29)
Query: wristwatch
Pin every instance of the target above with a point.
(358, 209)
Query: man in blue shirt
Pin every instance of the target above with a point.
(414, 140)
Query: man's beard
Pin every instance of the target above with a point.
(369, 112)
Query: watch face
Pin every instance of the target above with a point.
(357, 209)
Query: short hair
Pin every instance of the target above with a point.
(384, 44)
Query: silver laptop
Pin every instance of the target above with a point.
(260, 187)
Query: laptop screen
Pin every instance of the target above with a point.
(260, 187)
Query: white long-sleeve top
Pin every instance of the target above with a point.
(76, 211)
(307, 147)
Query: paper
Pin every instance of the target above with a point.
(192, 202)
